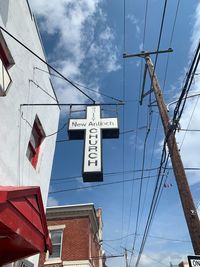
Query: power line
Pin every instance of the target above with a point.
(56, 71)
(170, 44)
(124, 132)
(156, 196)
(153, 204)
(108, 245)
(137, 123)
(152, 259)
(123, 110)
(99, 185)
(120, 172)
(141, 181)
(150, 236)
(190, 130)
(189, 122)
(107, 257)
(49, 135)
(108, 173)
(163, 152)
(38, 86)
(83, 86)
(184, 93)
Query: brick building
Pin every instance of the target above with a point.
(76, 234)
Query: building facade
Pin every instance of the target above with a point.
(28, 133)
(184, 264)
(76, 234)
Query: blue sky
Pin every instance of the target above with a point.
(85, 40)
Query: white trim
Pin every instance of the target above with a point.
(81, 263)
(58, 259)
(73, 206)
(56, 227)
(52, 261)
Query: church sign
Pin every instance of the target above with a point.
(93, 128)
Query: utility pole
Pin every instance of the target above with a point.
(189, 208)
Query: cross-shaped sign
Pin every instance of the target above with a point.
(93, 128)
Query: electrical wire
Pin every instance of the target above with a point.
(158, 46)
(123, 112)
(50, 66)
(162, 263)
(189, 122)
(163, 157)
(73, 179)
(153, 204)
(38, 86)
(83, 86)
(108, 173)
(170, 43)
(125, 132)
(49, 135)
(190, 130)
(98, 185)
(108, 245)
(151, 236)
(137, 122)
(141, 183)
(107, 257)
(188, 82)
(156, 196)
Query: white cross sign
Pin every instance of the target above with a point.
(92, 129)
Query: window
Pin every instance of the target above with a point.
(56, 235)
(56, 239)
(37, 136)
(6, 61)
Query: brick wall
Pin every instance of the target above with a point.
(75, 239)
(95, 250)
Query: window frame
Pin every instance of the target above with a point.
(48, 259)
(32, 151)
(5, 54)
(7, 62)
(60, 231)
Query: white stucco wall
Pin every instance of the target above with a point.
(15, 168)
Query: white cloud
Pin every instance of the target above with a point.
(132, 18)
(196, 30)
(82, 47)
(136, 23)
(161, 259)
(52, 202)
(189, 141)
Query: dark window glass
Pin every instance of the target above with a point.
(56, 238)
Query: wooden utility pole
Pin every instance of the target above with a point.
(189, 208)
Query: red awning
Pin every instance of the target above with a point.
(23, 227)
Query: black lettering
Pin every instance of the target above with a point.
(196, 263)
(92, 148)
(90, 162)
(92, 155)
(94, 142)
(93, 136)
(93, 130)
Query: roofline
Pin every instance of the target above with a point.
(72, 205)
(74, 211)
